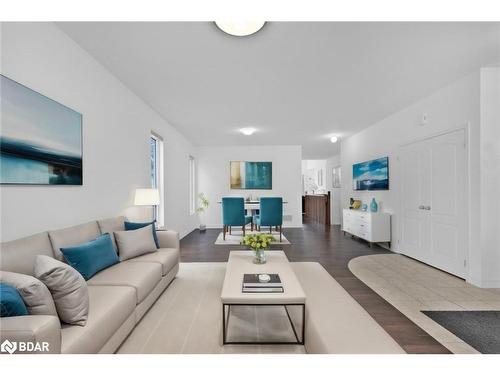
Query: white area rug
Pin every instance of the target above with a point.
(187, 318)
(236, 235)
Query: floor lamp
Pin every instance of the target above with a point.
(147, 197)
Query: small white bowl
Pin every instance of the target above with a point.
(264, 278)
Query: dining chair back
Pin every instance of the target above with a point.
(233, 214)
(271, 213)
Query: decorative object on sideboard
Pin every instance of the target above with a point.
(41, 140)
(364, 207)
(371, 175)
(355, 204)
(202, 207)
(258, 243)
(373, 205)
(148, 197)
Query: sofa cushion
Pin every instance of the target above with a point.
(140, 275)
(110, 306)
(168, 258)
(113, 224)
(132, 243)
(91, 257)
(35, 294)
(72, 236)
(133, 226)
(19, 255)
(68, 288)
(11, 302)
(33, 329)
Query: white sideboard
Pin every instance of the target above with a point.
(370, 226)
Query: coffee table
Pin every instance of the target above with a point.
(241, 262)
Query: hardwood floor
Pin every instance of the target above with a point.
(329, 247)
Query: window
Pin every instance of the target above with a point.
(192, 186)
(156, 153)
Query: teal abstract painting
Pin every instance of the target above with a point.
(40, 140)
(371, 175)
(251, 175)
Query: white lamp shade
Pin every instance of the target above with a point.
(147, 197)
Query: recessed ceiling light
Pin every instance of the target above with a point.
(240, 28)
(334, 139)
(248, 131)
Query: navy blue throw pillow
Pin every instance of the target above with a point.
(11, 302)
(133, 226)
(91, 257)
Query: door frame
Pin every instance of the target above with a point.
(466, 129)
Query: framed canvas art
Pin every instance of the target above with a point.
(371, 175)
(251, 175)
(40, 140)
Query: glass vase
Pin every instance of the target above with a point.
(260, 256)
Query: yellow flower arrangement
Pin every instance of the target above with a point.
(258, 241)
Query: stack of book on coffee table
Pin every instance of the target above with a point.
(262, 283)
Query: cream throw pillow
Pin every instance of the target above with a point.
(132, 243)
(68, 289)
(34, 293)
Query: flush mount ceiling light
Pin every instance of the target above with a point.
(240, 28)
(248, 131)
(334, 139)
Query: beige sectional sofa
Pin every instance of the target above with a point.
(119, 295)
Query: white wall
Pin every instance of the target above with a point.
(490, 177)
(213, 178)
(116, 128)
(336, 205)
(454, 106)
(451, 107)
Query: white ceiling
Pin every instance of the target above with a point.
(296, 82)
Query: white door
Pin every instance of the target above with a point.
(434, 202)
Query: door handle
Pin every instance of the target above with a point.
(421, 207)
(428, 208)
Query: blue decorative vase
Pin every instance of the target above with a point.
(373, 206)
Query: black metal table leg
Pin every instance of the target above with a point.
(299, 341)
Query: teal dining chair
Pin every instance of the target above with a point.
(233, 214)
(271, 214)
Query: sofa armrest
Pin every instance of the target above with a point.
(168, 239)
(42, 330)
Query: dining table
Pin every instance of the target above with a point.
(251, 207)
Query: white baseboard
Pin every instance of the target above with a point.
(484, 283)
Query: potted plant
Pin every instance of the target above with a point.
(202, 207)
(258, 243)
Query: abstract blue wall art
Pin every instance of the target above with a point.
(251, 175)
(371, 175)
(40, 139)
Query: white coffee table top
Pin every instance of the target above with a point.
(241, 262)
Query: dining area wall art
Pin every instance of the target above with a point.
(248, 175)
